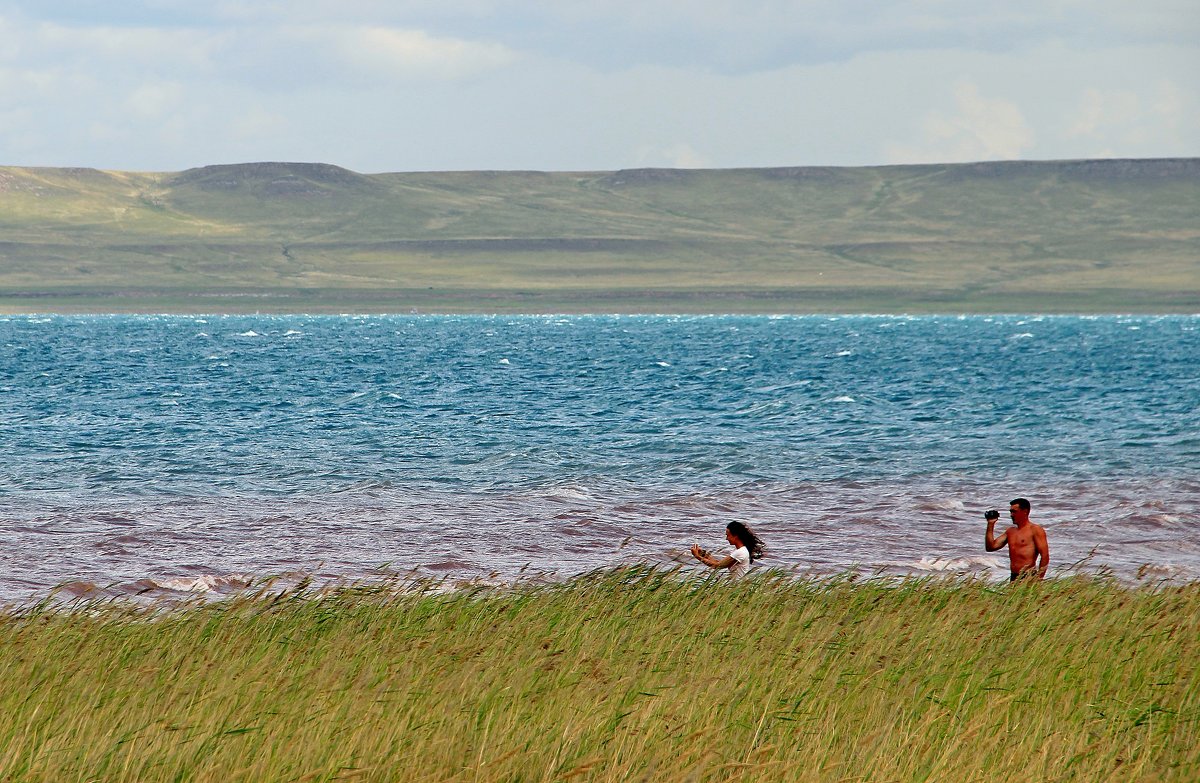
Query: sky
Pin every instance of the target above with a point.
(594, 85)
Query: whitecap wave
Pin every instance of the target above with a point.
(1156, 571)
(208, 583)
(952, 564)
(563, 493)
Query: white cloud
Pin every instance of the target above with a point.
(131, 47)
(18, 133)
(682, 156)
(980, 128)
(256, 122)
(749, 35)
(105, 133)
(395, 53)
(1158, 113)
(1169, 103)
(1168, 100)
(382, 85)
(19, 83)
(266, 52)
(676, 156)
(1101, 109)
(728, 35)
(155, 99)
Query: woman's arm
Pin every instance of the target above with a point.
(709, 560)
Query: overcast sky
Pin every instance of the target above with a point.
(405, 85)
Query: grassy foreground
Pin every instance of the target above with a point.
(625, 675)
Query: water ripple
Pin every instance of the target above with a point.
(251, 445)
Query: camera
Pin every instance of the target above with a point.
(991, 514)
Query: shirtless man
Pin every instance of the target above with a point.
(1026, 542)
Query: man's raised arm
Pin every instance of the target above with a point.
(992, 542)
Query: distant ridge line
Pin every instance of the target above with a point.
(333, 173)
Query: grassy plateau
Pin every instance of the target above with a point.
(632, 674)
(1052, 236)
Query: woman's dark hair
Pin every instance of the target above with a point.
(752, 542)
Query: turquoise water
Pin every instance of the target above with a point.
(178, 451)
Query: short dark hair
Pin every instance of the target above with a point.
(1021, 503)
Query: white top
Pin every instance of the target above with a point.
(741, 562)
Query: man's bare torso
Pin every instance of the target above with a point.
(1022, 547)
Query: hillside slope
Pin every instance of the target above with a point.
(1066, 236)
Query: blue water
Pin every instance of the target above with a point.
(148, 449)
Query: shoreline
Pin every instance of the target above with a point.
(150, 594)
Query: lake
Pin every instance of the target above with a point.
(181, 454)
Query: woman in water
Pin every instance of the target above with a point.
(747, 548)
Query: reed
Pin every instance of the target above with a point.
(631, 674)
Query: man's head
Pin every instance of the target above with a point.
(1019, 510)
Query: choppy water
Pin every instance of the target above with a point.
(174, 453)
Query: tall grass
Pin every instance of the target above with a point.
(631, 674)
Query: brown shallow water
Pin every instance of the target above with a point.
(1137, 531)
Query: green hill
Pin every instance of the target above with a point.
(1056, 236)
